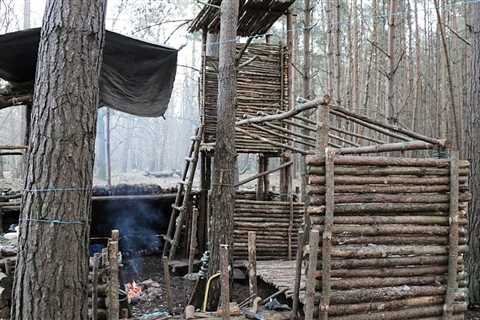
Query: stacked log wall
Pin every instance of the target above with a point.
(276, 224)
(391, 237)
(262, 80)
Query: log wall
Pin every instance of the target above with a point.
(392, 236)
(275, 223)
(261, 87)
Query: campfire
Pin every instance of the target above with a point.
(134, 291)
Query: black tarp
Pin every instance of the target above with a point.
(137, 77)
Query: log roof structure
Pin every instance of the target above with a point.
(256, 17)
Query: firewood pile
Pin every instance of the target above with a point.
(7, 271)
(276, 224)
(131, 189)
(103, 286)
(261, 87)
(390, 235)
(9, 201)
(104, 282)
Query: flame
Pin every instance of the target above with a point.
(133, 291)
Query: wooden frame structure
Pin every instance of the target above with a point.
(385, 233)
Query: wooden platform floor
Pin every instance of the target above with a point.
(281, 275)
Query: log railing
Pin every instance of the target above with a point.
(283, 128)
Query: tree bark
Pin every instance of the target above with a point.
(472, 153)
(52, 267)
(223, 192)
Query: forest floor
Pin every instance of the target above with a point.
(153, 299)
(473, 314)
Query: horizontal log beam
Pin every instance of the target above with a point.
(319, 160)
(385, 171)
(389, 147)
(13, 147)
(393, 189)
(12, 101)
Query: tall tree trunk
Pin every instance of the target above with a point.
(223, 192)
(392, 63)
(472, 153)
(333, 50)
(51, 277)
(418, 79)
(307, 79)
(1, 168)
(25, 111)
(108, 145)
(100, 154)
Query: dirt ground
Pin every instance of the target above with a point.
(153, 301)
(473, 314)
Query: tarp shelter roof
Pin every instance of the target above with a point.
(137, 77)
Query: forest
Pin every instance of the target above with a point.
(247, 159)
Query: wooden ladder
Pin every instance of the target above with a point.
(179, 208)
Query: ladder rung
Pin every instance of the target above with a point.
(194, 138)
(188, 159)
(184, 182)
(177, 208)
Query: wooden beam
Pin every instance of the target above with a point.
(252, 263)
(264, 173)
(312, 268)
(388, 147)
(12, 101)
(406, 132)
(288, 114)
(453, 238)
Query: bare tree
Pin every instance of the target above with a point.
(51, 276)
(472, 153)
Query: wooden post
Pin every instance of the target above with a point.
(452, 284)
(266, 179)
(252, 263)
(327, 233)
(168, 283)
(323, 127)
(109, 155)
(113, 303)
(193, 241)
(96, 264)
(312, 268)
(290, 228)
(202, 203)
(260, 167)
(298, 276)
(225, 270)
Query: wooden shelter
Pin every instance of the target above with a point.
(383, 228)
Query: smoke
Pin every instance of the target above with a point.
(140, 222)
